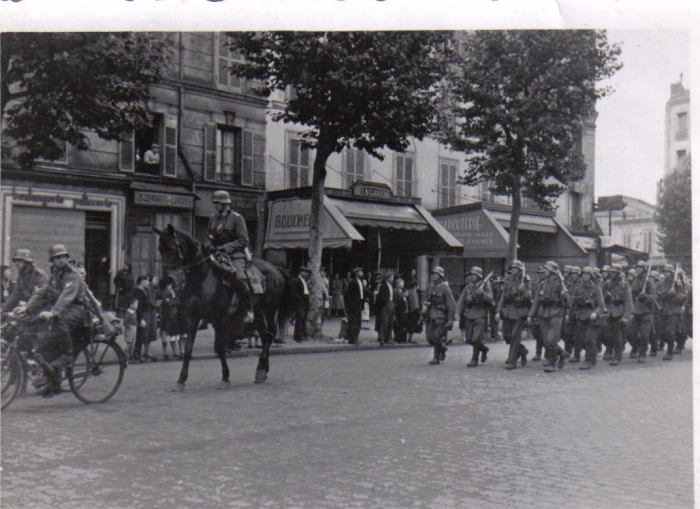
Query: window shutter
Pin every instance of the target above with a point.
(126, 154)
(360, 165)
(209, 167)
(399, 175)
(258, 154)
(453, 185)
(293, 163)
(170, 166)
(350, 167)
(304, 170)
(63, 145)
(247, 166)
(223, 60)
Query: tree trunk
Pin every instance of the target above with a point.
(313, 320)
(514, 222)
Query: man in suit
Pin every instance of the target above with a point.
(300, 294)
(384, 306)
(355, 298)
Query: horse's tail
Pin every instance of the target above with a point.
(287, 306)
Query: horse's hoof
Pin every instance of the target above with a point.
(224, 385)
(179, 387)
(260, 377)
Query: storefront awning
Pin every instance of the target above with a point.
(288, 223)
(527, 221)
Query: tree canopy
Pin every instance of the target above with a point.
(368, 90)
(675, 215)
(518, 99)
(55, 86)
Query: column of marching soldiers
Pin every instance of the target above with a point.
(589, 309)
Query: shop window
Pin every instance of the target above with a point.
(682, 132)
(354, 166)
(298, 158)
(224, 58)
(233, 155)
(405, 172)
(447, 196)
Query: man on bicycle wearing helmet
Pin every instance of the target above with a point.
(64, 296)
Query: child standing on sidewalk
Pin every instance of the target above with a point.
(130, 324)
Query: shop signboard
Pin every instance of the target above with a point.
(480, 234)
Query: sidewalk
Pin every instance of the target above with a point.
(204, 343)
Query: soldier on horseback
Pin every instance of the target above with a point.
(228, 242)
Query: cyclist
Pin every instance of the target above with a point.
(64, 296)
(29, 279)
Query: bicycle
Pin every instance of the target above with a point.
(94, 374)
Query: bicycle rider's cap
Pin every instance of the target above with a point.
(23, 254)
(57, 250)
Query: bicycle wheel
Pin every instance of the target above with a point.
(11, 375)
(97, 372)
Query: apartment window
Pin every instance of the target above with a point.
(233, 155)
(447, 196)
(485, 193)
(63, 157)
(405, 172)
(152, 149)
(682, 132)
(298, 158)
(680, 154)
(354, 166)
(225, 57)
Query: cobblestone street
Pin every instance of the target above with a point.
(376, 428)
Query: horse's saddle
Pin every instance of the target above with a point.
(232, 268)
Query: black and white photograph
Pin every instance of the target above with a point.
(347, 254)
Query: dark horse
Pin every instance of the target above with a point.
(208, 297)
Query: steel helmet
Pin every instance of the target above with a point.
(57, 250)
(643, 264)
(23, 254)
(587, 270)
(221, 197)
(438, 270)
(552, 266)
(517, 264)
(575, 270)
(477, 271)
(668, 268)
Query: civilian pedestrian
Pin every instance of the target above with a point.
(169, 319)
(400, 311)
(337, 306)
(147, 319)
(384, 308)
(130, 327)
(414, 322)
(300, 294)
(355, 298)
(124, 286)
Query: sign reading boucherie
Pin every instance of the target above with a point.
(163, 200)
(475, 230)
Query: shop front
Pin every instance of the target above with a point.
(483, 230)
(154, 206)
(366, 226)
(89, 222)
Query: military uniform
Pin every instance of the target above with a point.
(639, 329)
(65, 296)
(513, 307)
(439, 308)
(30, 279)
(672, 296)
(586, 303)
(473, 308)
(568, 327)
(618, 300)
(549, 306)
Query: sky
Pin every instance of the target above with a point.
(631, 122)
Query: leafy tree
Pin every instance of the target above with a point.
(55, 86)
(675, 214)
(367, 90)
(519, 98)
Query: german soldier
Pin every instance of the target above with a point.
(29, 279)
(568, 328)
(513, 307)
(549, 305)
(534, 325)
(228, 234)
(65, 296)
(618, 300)
(672, 294)
(644, 294)
(473, 308)
(439, 310)
(587, 305)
